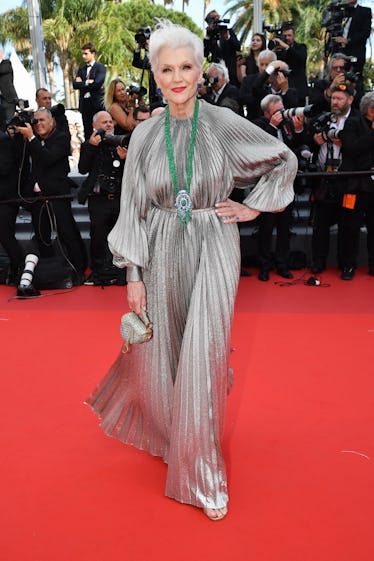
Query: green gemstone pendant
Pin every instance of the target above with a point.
(183, 204)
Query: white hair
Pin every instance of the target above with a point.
(266, 53)
(270, 98)
(168, 34)
(221, 68)
(366, 103)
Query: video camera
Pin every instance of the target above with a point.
(114, 139)
(332, 19)
(277, 34)
(142, 36)
(216, 27)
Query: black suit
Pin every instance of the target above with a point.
(358, 154)
(217, 49)
(49, 169)
(144, 64)
(358, 34)
(8, 94)
(90, 95)
(103, 205)
(279, 220)
(254, 88)
(8, 190)
(295, 56)
(229, 92)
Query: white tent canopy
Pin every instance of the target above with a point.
(23, 81)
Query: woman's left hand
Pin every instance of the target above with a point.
(230, 211)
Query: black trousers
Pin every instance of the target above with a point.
(350, 224)
(267, 222)
(57, 214)
(103, 216)
(8, 217)
(325, 214)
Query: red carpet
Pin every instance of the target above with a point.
(299, 439)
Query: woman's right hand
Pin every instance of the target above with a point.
(137, 296)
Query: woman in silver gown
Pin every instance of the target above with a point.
(167, 396)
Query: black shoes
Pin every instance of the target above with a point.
(244, 273)
(285, 273)
(263, 275)
(347, 273)
(108, 276)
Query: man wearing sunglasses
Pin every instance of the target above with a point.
(321, 91)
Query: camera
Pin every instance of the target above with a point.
(334, 14)
(209, 80)
(332, 19)
(277, 34)
(142, 36)
(307, 111)
(305, 164)
(216, 27)
(283, 71)
(137, 89)
(323, 123)
(23, 115)
(114, 139)
(349, 71)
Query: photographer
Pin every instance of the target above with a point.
(142, 40)
(356, 27)
(221, 43)
(291, 132)
(328, 194)
(8, 94)
(294, 55)
(337, 74)
(271, 79)
(9, 211)
(104, 163)
(348, 27)
(48, 151)
(219, 90)
(357, 139)
(117, 103)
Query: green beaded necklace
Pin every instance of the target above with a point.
(183, 202)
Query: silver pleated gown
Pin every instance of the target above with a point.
(167, 396)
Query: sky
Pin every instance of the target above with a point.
(194, 10)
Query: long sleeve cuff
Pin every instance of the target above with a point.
(133, 273)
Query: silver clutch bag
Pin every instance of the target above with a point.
(135, 329)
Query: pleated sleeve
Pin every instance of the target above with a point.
(258, 161)
(128, 239)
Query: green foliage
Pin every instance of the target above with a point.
(14, 27)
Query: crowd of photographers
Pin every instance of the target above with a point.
(329, 125)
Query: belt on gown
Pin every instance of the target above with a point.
(174, 210)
